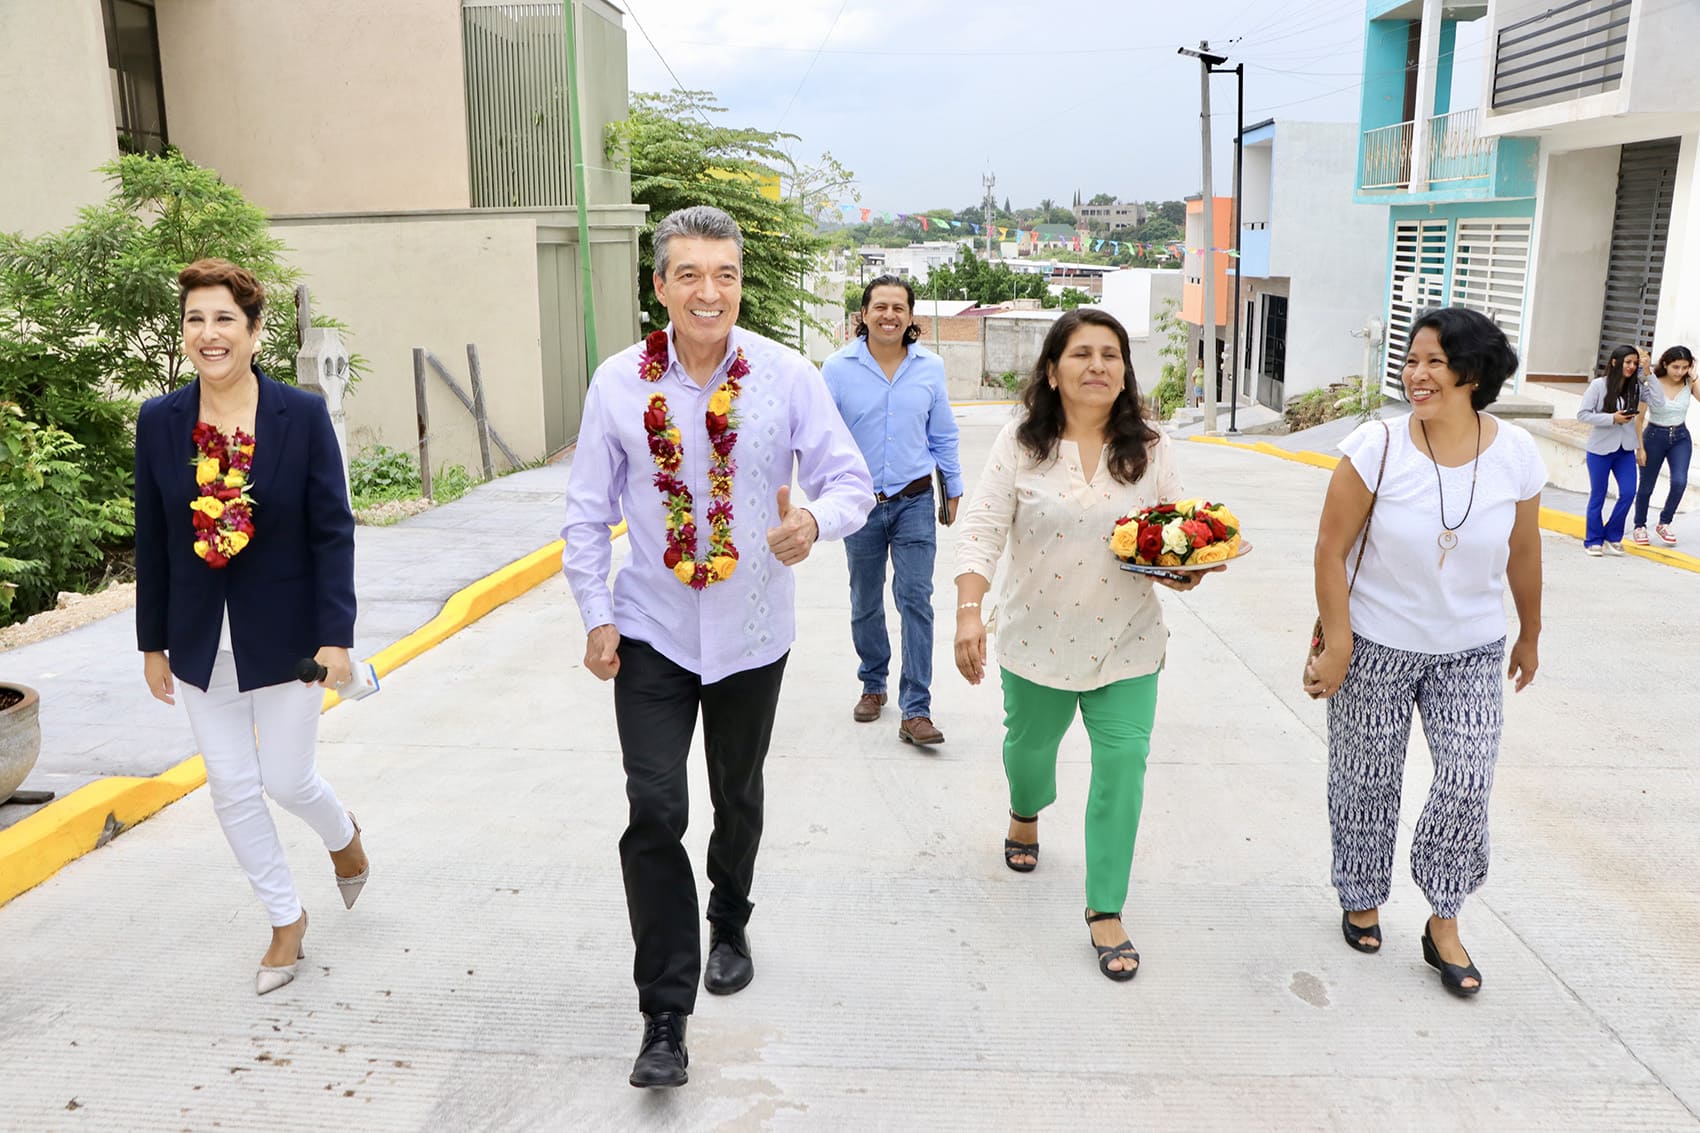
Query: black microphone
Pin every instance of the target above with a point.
(308, 670)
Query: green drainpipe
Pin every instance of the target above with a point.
(591, 356)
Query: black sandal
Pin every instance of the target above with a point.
(1356, 936)
(1452, 976)
(1013, 849)
(1107, 952)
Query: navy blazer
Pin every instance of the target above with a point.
(289, 591)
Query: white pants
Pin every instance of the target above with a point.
(263, 741)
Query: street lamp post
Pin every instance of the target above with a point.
(1213, 65)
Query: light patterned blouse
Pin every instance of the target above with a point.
(1067, 616)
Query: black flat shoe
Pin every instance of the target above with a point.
(729, 968)
(1107, 952)
(1357, 937)
(1452, 976)
(661, 1061)
(1013, 849)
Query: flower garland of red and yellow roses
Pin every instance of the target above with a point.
(224, 512)
(665, 448)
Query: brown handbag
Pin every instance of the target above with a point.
(1316, 640)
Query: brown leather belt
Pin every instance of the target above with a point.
(913, 488)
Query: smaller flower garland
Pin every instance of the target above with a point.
(224, 512)
(666, 449)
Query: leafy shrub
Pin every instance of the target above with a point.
(1168, 395)
(1011, 382)
(1352, 397)
(55, 525)
(380, 475)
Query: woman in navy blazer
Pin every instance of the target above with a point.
(245, 567)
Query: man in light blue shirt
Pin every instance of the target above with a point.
(892, 394)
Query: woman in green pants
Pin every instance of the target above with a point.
(1074, 630)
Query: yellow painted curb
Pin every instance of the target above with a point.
(1558, 522)
(37, 847)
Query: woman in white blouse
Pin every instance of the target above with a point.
(1074, 630)
(1457, 498)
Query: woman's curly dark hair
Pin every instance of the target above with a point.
(1130, 435)
(910, 333)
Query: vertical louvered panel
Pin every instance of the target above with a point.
(1419, 281)
(1646, 192)
(517, 104)
(1490, 269)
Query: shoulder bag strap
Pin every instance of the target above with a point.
(1363, 545)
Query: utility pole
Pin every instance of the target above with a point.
(1239, 153)
(1207, 317)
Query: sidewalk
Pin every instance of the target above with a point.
(97, 717)
(905, 978)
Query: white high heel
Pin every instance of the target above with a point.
(350, 887)
(268, 979)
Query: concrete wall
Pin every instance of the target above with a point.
(1333, 252)
(321, 105)
(602, 82)
(1679, 290)
(964, 368)
(1012, 342)
(1572, 246)
(440, 283)
(56, 122)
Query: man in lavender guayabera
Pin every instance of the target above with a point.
(691, 435)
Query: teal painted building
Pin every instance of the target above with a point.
(1461, 203)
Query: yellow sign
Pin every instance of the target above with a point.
(768, 183)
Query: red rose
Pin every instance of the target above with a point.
(1150, 541)
(671, 557)
(655, 419)
(214, 559)
(1217, 528)
(656, 341)
(717, 423)
(1198, 533)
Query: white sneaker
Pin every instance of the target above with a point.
(1594, 550)
(1613, 548)
(1667, 534)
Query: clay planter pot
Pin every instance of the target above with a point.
(20, 735)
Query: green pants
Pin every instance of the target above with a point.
(1118, 722)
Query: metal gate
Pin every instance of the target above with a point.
(1419, 281)
(1490, 266)
(1272, 375)
(1646, 190)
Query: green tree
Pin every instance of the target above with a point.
(1172, 211)
(1103, 199)
(986, 283)
(97, 302)
(679, 157)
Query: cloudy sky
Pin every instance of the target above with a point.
(920, 97)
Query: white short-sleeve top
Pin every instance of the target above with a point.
(1405, 598)
(1068, 616)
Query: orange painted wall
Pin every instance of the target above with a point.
(1192, 294)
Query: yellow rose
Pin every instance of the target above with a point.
(233, 478)
(675, 436)
(237, 540)
(685, 569)
(202, 547)
(1214, 553)
(1187, 507)
(1168, 558)
(721, 402)
(723, 565)
(1221, 512)
(212, 506)
(1233, 545)
(1125, 542)
(206, 470)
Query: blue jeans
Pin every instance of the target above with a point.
(1662, 442)
(1621, 465)
(906, 529)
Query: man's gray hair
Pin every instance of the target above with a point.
(704, 222)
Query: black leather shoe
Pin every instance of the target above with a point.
(662, 1060)
(729, 967)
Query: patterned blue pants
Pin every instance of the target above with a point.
(1462, 699)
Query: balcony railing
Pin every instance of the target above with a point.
(1566, 51)
(1387, 157)
(1456, 149)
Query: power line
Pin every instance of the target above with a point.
(1000, 54)
(811, 68)
(677, 85)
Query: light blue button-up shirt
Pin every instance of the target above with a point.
(904, 426)
(785, 420)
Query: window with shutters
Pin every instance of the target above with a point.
(1490, 269)
(1419, 281)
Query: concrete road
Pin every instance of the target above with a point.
(905, 978)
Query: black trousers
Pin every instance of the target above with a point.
(655, 707)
